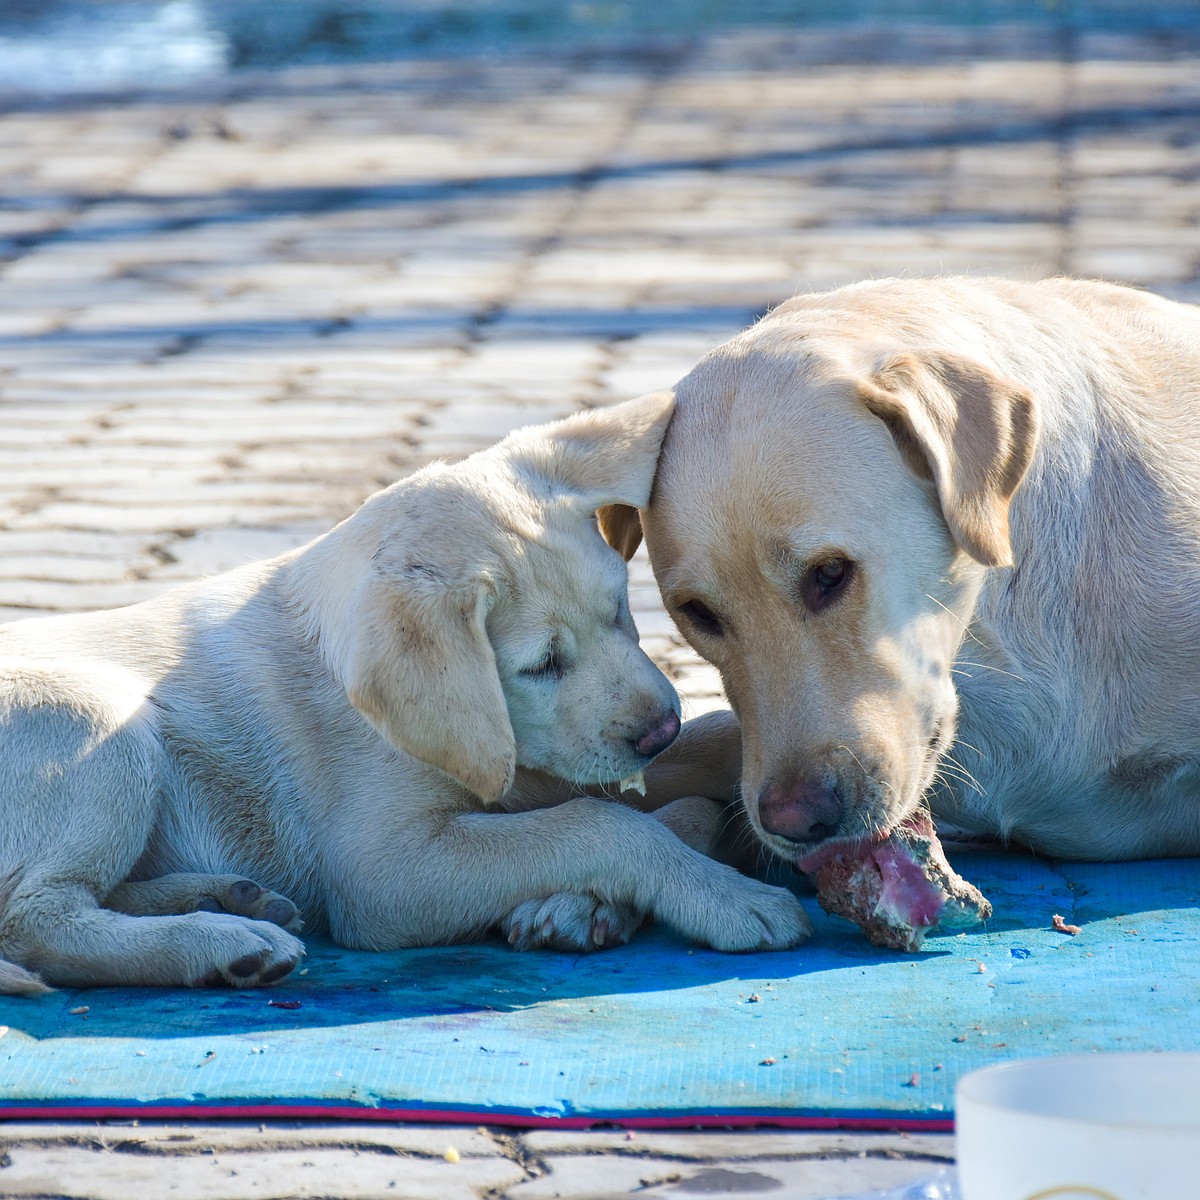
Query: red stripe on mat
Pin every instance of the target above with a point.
(417, 1116)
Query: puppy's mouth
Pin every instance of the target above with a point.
(633, 783)
(619, 760)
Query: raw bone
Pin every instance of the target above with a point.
(898, 889)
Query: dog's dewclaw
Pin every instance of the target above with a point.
(899, 889)
(634, 783)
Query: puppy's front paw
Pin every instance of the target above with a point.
(570, 921)
(733, 913)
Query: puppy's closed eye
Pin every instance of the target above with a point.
(549, 668)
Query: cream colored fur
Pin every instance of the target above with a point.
(1011, 472)
(368, 728)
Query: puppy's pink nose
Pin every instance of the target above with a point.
(801, 810)
(657, 739)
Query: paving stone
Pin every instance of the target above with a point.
(176, 1138)
(62, 569)
(742, 1145)
(9, 613)
(105, 546)
(208, 513)
(212, 551)
(48, 595)
(479, 425)
(318, 1173)
(579, 1177)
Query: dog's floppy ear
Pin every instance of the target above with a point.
(969, 430)
(421, 669)
(609, 455)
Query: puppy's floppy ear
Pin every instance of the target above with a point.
(609, 456)
(421, 669)
(969, 430)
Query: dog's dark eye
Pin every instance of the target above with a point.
(551, 667)
(701, 618)
(824, 582)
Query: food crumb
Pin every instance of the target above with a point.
(753, 998)
(451, 1154)
(1061, 926)
(767, 1062)
(982, 970)
(78, 1012)
(914, 1080)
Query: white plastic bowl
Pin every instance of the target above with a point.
(1081, 1127)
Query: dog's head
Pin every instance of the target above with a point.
(820, 528)
(478, 620)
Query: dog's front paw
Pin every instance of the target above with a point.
(570, 921)
(734, 913)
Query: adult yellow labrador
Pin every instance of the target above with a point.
(355, 728)
(942, 539)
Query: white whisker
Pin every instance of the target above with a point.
(965, 627)
(963, 662)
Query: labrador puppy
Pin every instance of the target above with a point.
(942, 539)
(348, 729)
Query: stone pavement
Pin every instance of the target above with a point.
(232, 307)
(353, 1161)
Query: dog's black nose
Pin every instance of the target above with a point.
(657, 738)
(806, 810)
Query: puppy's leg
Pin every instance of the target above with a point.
(81, 770)
(470, 870)
(56, 928)
(691, 788)
(171, 895)
(571, 921)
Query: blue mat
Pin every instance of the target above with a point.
(836, 1033)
